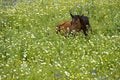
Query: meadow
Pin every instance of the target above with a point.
(31, 50)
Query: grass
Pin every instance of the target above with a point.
(30, 48)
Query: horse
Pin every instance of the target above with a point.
(65, 28)
(85, 20)
(72, 26)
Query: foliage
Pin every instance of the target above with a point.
(30, 49)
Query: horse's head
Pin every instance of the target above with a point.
(75, 20)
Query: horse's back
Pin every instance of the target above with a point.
(65, 24)
(85, 19)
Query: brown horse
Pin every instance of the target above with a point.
(77, 21)
(73, 26)
(65, 28)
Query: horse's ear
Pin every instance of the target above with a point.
(71, 15)
(82, 15)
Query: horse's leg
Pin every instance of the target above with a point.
(58, 29)
(84, 30)
(68, 31)
(73, 33)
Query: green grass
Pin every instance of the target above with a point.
(31, 50)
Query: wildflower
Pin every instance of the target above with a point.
(67, 73)
(78, 74)
(32, 36)
(72, 76)
(25, 55)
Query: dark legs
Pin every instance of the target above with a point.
(84, 30)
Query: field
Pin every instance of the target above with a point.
(31, 50)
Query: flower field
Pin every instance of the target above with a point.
(30, 49)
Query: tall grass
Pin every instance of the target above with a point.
(30, 48)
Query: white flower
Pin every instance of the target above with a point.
(32, 36)
(67, 73)
(25, 55)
